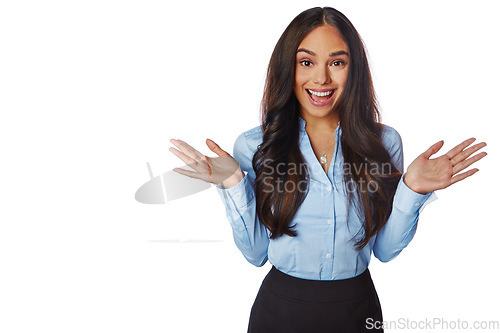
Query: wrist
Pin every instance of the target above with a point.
(412, 184)
(234, 179)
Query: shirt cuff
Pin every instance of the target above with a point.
(408, 201)
(240, 194)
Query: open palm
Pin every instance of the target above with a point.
(223, 170)
(426, 175)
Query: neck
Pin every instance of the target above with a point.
(321, 125)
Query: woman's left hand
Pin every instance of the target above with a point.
(426, 175)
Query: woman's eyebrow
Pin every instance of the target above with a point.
(332, 54)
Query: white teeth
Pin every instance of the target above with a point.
(326, 93)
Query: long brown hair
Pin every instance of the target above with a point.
(361, 139)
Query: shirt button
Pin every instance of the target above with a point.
(241, 228)
(417, 204)
(237, 196)
(329, 221)
(328, 255)
(328, 188)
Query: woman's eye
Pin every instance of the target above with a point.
(336, 63)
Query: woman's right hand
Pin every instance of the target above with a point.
(223, 170)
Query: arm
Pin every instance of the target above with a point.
(416, 187)
(406, 209)
(250, 236)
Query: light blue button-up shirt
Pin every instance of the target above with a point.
(324, 246)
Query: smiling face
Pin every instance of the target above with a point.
(321, 67)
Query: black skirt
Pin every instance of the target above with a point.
(289, 304)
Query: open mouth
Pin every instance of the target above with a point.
(320, 98)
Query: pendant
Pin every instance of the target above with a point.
(322, 159)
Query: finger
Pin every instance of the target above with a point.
(188, 173)
(453, 152)
(433, 149)
(466, 153)
(185, 158)
(465, 164)
(188, 150)
(215, 148)
(463, 175)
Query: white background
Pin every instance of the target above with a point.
(92, 90)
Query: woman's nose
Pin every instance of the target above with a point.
(322, 75)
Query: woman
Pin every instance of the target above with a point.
(324, 184)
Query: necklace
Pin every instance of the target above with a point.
(323, 159)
